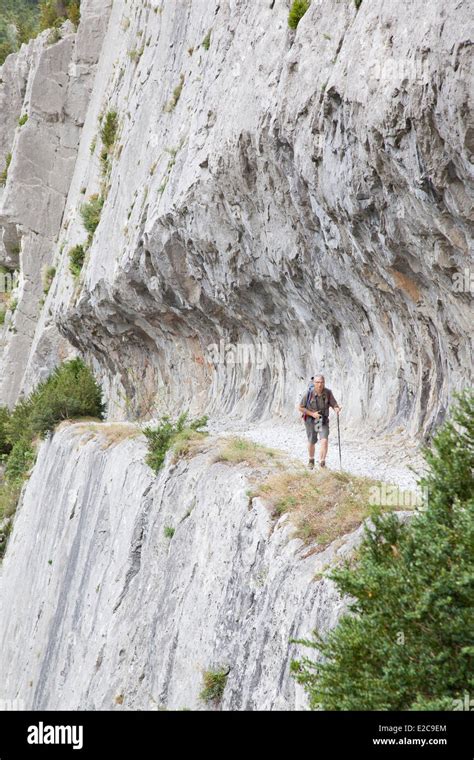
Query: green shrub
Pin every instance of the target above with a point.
(47, 275)
(4, 173)
(49, 14)
(406, 643)
(23, 119)
(171, 105)
(297, 11)
(4, 534)
(18, 24)
(108, 130)
(9, 494)
(2, 315)
(104, 161)
(5, 445)
(206, 43)
(20, 460)
(17, 425)
(357, 4)
(53, 13)
(168, 531)
(214, 685)
(76, 259)
(161, 439)
(54, 36)
(108, 135)
(70, 391)
(74, 12)
(90, 213)
(135, 54)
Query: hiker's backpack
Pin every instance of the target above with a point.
(308, 399)
(324, 412)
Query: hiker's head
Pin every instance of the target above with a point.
(319, 383)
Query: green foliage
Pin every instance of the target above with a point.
(76, 259)
(5, 531)
(169, 531)
(18, 24)
(5, 445)
(171, 105)
(407, 642)
(4, 173)
(2, 315)
(22, 20)
(214, 682)
(108, 134)
(90, 213)
(206, 43)
(53, 13)
(17, 425)
(70, 391)
(297, 11)
(108, 130)
(161, 439)
(54, 36)
(23, 119)
(357, 4)
(135, 54)
(74, 12)
(48, 276)
(20, 460)
(49, 14)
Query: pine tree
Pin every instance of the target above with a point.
(406, 643)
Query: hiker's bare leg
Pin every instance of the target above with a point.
(311, 447)
(323, 449)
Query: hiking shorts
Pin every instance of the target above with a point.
(312, 433)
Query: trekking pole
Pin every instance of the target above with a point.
(339, 442)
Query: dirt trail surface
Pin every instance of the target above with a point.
(389, 458)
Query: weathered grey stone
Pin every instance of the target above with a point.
(308, 192)
(304, 192)
(51, 84)
(112, 614)
(303, 195)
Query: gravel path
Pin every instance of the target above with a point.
(388, 458)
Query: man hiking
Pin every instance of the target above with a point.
(315, 406)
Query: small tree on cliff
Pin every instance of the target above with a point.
(297, 11)
(408, 643)
(70, 391)
(53, 13)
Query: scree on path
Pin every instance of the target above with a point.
(391, 458)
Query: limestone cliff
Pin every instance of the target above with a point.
(303, 193)
(50, 84)
(266, 202)
(113, 614)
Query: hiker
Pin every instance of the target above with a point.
(315, 406)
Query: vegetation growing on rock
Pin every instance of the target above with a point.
(407, 642)
(69, 392)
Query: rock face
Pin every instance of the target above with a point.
(302, 197)
(50, 84)
(113, 614)
(271, 203)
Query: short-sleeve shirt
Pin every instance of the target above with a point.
(316, 403)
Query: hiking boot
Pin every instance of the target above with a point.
(311, 464)
(322, 463)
